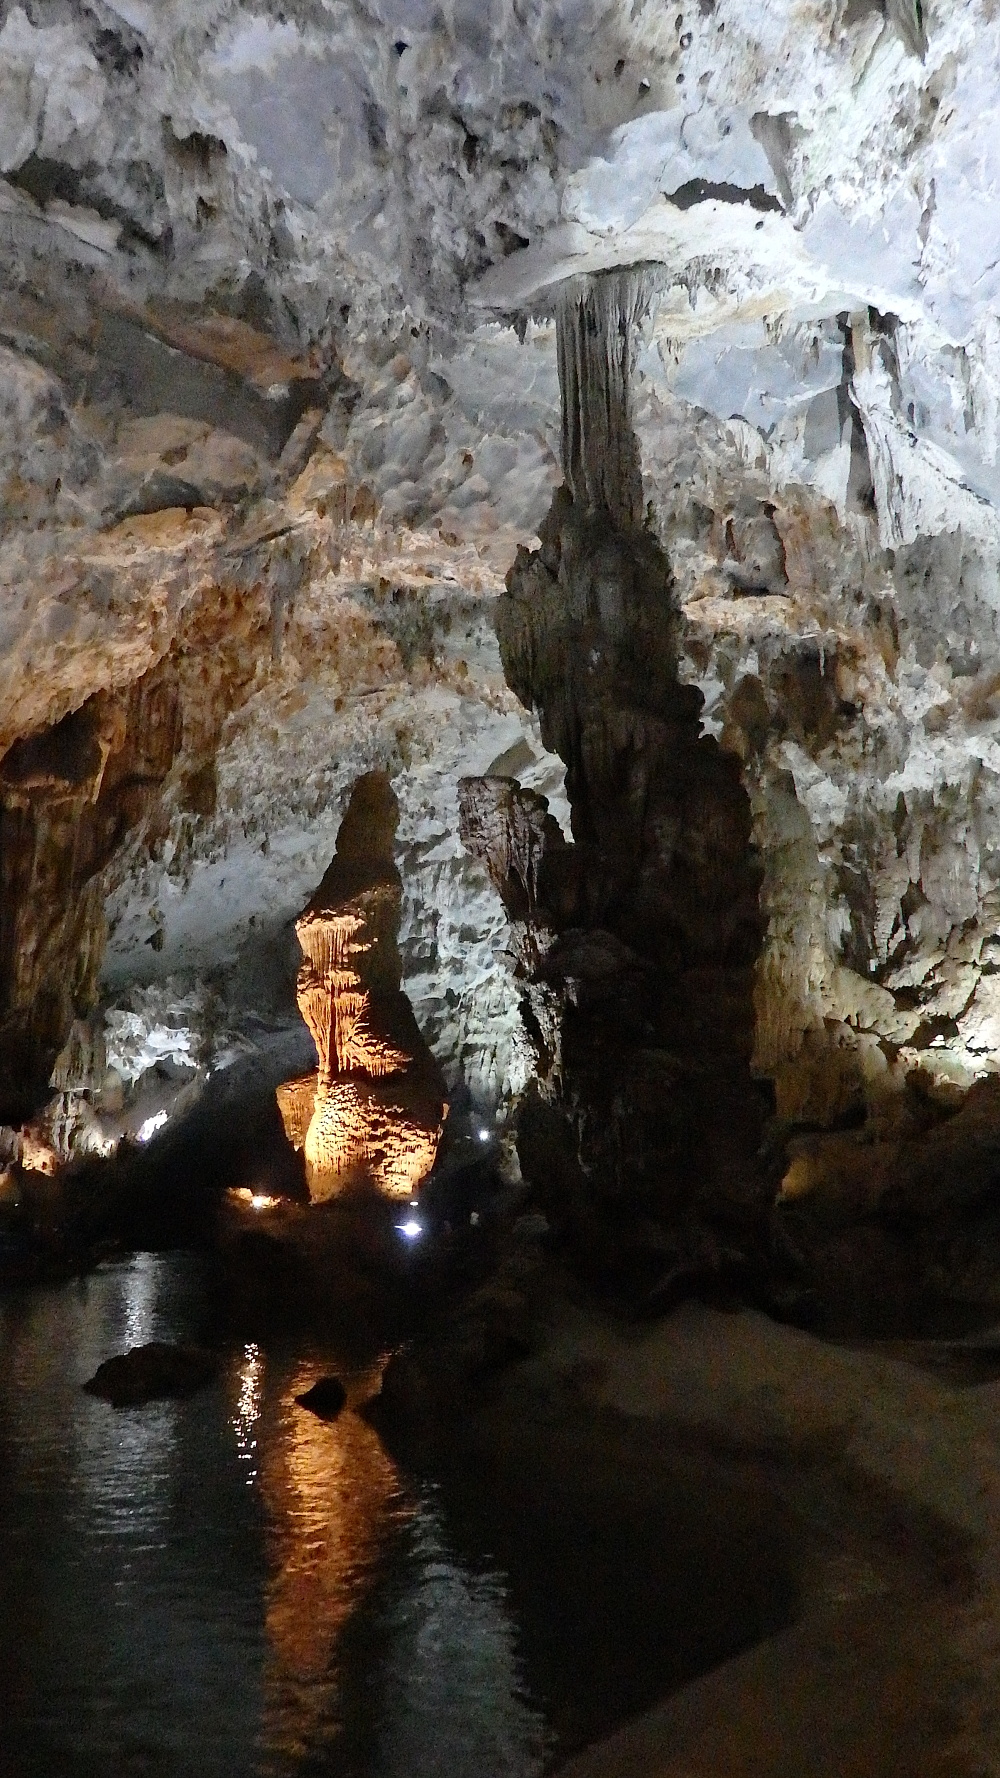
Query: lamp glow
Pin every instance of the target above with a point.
(411, 1228)
(150, 1127)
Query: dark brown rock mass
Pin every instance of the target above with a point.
(152, 1372)
(637, 944)
(68, 797)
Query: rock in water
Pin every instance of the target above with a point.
(148, 1373)
(325, 1398)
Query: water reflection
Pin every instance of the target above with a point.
(130, 1631)
(335, 1501)
(229, 1587)
(139, 1298)
(386, 1655)
(244, 1421)
(452, 1634)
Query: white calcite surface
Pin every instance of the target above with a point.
(276, 307)
(222, 899)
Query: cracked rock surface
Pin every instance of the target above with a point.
(280, 399)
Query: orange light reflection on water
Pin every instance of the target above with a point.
(333, 1496)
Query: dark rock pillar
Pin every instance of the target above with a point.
(648, 1123)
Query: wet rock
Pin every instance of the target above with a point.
(152, 1372)
(326, 1398)
(441, 1374)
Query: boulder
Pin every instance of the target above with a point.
(152, 1372)
(444, 1373)
(326, 1398)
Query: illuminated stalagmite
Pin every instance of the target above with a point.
(373, 1112)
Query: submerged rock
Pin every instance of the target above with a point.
(151, 1372)
(326, 1398)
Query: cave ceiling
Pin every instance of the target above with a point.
(279, 402)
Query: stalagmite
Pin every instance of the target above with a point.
(648, 941)
(372, 1114)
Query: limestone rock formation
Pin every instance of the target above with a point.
(279, 403)
(648, 927)
(68, 797)
(535, 873)
(373, 1113)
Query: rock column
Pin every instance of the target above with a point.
(372, 1114)
(649, 1119)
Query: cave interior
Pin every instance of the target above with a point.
(500, 796)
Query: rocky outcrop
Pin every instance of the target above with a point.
(68, 797)
(324, 1398)
(372, 1115)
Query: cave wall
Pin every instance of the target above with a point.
(847, 650)
(68, 798)
(851, 673)
(760, 981)
(280, 404)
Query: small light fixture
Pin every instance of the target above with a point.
(150, 1127)
(484, 1135)
(411, 1228)
(242, 1194)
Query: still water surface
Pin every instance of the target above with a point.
(228, 1587)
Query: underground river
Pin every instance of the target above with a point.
(228, 1586)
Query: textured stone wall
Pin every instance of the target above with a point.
(68, 798)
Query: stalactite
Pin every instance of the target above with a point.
(596, 319)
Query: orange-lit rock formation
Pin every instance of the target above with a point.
(373, 1112)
